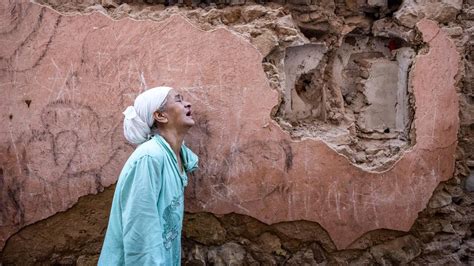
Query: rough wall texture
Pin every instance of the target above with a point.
(66, 75)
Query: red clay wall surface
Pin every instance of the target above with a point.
(66, 79)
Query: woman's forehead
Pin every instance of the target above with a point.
(173, 93)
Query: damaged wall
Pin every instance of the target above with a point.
(336, 126)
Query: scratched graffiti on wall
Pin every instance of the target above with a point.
(67, 79)
(69, 154)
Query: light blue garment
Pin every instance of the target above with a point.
(147, 210)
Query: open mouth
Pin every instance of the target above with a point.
(189, 113)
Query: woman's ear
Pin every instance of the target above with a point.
(160, 117)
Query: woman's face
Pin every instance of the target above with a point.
(178, 111)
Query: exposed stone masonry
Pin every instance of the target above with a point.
(441, 235)
(355, 98)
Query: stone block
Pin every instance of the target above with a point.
(469, 185)
(236, 2)
(299, 2)
(302, 257)
(412, 11)
(387, 27)
(404, 58)
(227, 254)
(398, 251)
(362, 23)
(440, 199)
(270, 243)
(265, 42)
(253, 12)
(377, 3)
(204, 228)
(381, 91)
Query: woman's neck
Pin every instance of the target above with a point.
(174, 139)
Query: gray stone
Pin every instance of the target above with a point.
(362, 23)
(469, 185)
(318, 253)
(270, 243)
(381, 94)
(227, 254)
(351, 257)
(96, 8)
(302, 257)
(196, 256)
(443, 244)
(265, 42)
(237, 2)
(448, 228)
(377, 3)
(405, 57)
(253, 12)
(109, 3)
(300, 2)
(398, 251)
(440, 199)
(122, 10)
(412, 11)
(387, 27)
(455, 31)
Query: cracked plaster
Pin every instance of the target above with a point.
(79, 72)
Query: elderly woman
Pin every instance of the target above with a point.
(147, 210)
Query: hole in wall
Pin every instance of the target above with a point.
(380, 9)
(312, 94)
(354, 98)
(373, 13)
(394, 4)
(317, 31)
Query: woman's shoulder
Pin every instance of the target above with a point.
(146, 150)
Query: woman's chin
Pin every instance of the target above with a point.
(190, 121)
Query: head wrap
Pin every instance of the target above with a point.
(139, 117)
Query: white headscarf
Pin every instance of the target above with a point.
(139, 117)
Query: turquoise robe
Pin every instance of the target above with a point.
(147, 210)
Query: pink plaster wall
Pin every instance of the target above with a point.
(80, 72)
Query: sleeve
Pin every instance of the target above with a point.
(190, 159)
(141, 223)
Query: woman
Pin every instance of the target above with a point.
(147, 210)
